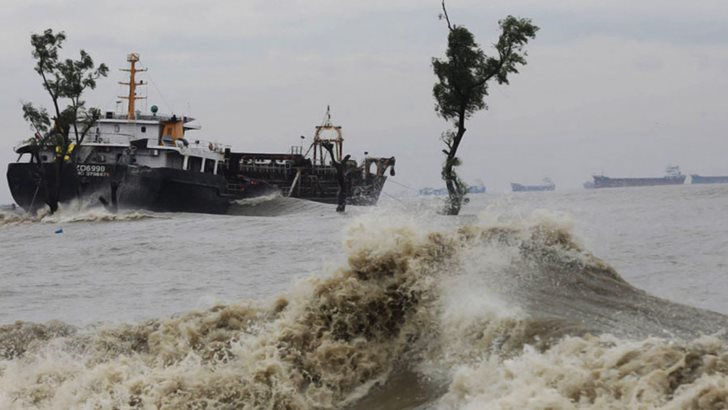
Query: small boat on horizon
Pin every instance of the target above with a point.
(472, 189)
(477, 189)
(547, 185)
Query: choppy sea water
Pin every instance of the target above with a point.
(584, 299)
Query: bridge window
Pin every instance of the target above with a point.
(209, 166)
(194, 164)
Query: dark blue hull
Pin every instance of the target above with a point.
(532, 188)
(601, 181)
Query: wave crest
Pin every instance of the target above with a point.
(465, 309)
(72, 216)
(599, 372)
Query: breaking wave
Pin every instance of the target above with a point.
(13, 217)
(490, 315)
(598, 372)
(98, 215)
(69, 214)
(272, 205)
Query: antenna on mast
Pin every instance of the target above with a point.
(132, 58)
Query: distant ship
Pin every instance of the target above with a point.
(697, 179)
(427, 191)
(673, 177)
(477, 189)
(472, 189)
(547, 185)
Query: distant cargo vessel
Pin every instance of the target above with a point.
(472, 189)
(477, 189)
(547, 185)
(673, 177)
(697, 179)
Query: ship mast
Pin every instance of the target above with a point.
(318, 140)
(132, 58)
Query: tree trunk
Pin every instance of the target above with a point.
(54, 189)
(39, 177)
(454, 190)
(341, 177)
(341, 200)
(454, 201)
(54, 185)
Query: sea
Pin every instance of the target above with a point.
(583, 299)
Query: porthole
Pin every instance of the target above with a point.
(116, 128)
(144, 129)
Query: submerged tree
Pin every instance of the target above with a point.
(342, 176)
(70, 120)
(463, 77)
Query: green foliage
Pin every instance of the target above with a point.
(37, 118)
(515, 33)
(65, 81)
(460, 88)
(464, 74)
(462, 85)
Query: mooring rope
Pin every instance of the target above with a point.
(32, 202)
(407, 207)
(401, 184)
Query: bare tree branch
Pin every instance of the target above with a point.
(447, 18)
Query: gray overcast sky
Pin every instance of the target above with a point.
(622, 87)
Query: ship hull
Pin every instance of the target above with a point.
(363, 192)
(154, 189)
(295, 177)
(29, 189)
(606, 182)
(366, 191)
(531, 188)
(697, 179)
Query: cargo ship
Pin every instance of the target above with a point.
(477, 189)
(697, 179)
(547, 185)
(150, 161)
(673, 176)
(472, 189)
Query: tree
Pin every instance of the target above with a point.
(463, 77)
(67, 126)
(342, 174)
